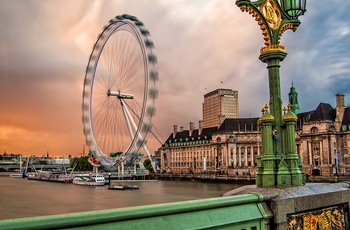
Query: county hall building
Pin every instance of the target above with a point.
(225, 143)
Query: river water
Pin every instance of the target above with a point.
(27, 198)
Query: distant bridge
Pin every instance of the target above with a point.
(9, 167)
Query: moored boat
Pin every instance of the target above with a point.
(22, 171)
(50, 176)
(92, 180)
(18, 175)
(117, 187)
(123, 187)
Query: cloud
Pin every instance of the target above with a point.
(45, 46)
(317, 52)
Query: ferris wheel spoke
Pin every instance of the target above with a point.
(112, 66)
(129, 74)
(130, 123)
(100, 118)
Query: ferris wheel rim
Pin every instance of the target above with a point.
(149, 95)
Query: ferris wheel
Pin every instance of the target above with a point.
(119, 92)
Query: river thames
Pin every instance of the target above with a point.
(27, 198)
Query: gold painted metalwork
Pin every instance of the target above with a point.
(332, 218)
(269, 17)
(289, 116)
(265, 115)
(285, 27)
(271, 47)
(251, 10)
(271, 13)
(266, 107)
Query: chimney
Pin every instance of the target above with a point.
(181, 128)
(191, 128)
(175, 131)
(200, 127)
(340, 100)
(340, 106)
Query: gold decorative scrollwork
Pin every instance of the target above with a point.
(251, 10)
(286, 27)
(271, 13)
(328, 218)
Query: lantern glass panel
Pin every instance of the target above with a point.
(294, 8)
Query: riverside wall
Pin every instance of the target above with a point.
(245, 179)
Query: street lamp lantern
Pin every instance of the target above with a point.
(294, 8)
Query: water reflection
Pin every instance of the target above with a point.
(25, 198)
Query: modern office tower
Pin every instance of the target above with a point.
(218, 105)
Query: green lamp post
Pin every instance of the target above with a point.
(279, 163)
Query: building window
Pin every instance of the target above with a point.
(249, 156)
(314, 130)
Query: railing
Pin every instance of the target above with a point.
(241, 212)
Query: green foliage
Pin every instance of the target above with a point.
(114, 154)
(81, 164)
(148, 165)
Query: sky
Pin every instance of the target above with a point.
(45, 47)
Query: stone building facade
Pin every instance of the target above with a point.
(232, 145)
(322, 139)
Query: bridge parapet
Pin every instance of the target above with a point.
(312, 206)
(234, 212)
(248, 207)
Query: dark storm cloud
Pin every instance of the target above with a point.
(319, 59)
(340, 83)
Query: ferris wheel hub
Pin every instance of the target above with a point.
(119, 94)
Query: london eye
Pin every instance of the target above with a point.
(119, 93)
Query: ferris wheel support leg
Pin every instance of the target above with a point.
(122, 163)
(119, 171)
(129, 118)
(130, 122)
(149, 156)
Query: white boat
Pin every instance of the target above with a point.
(17, 175)
(92, 180)
(22, 172)
(51, 176)
(123, 187)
